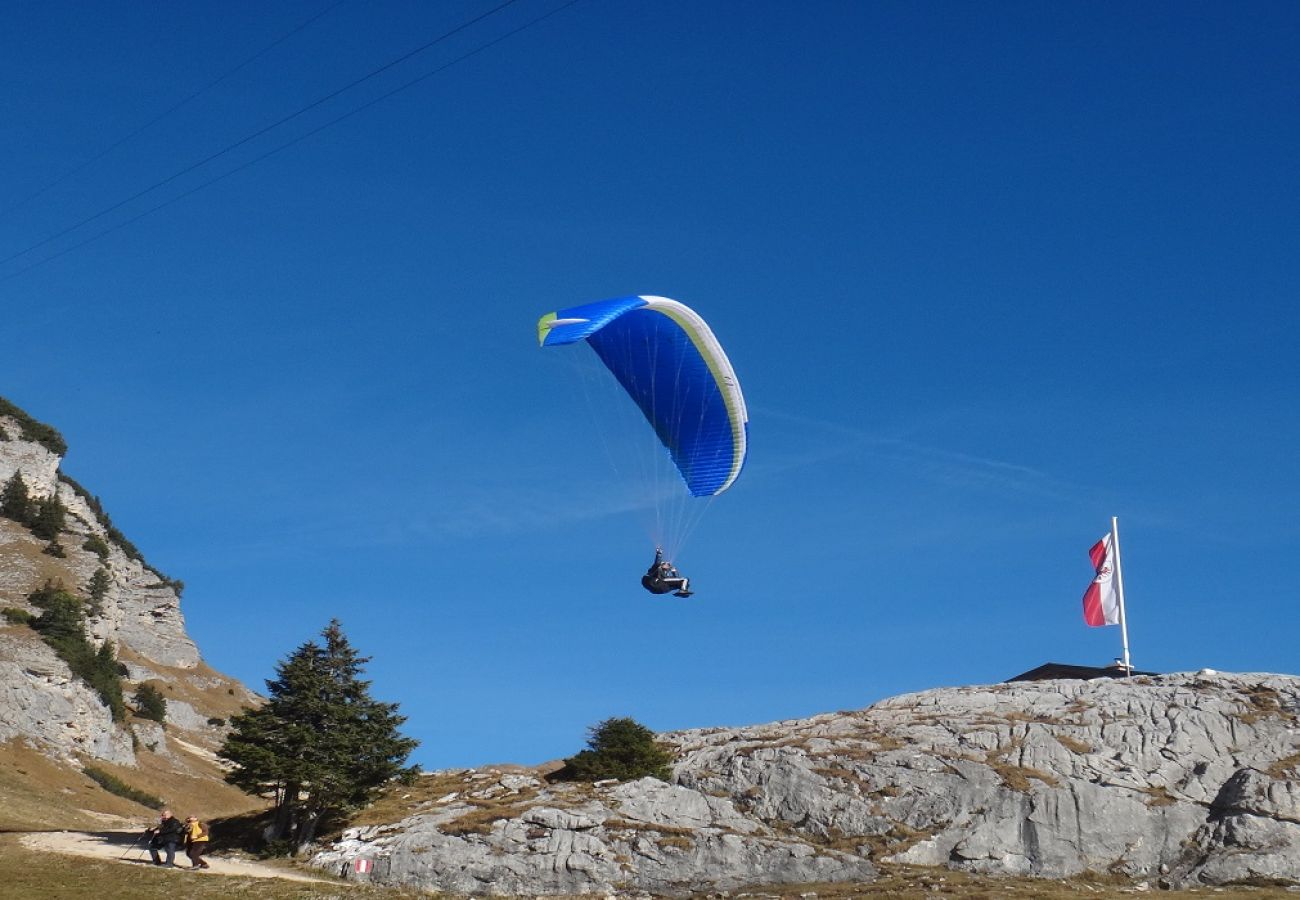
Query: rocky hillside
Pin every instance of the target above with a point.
(1179, 779)
(44, 707)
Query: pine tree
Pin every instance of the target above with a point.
(321, 746)
(618, 748)
(49, 517)
(150, 703)
(97, 589)
(15, 502)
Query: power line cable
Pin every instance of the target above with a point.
(287, 144)
(256, 134)
(168, 111)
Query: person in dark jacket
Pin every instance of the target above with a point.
(167, 835)
(663, 578)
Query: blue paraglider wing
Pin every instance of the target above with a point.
(667, 359)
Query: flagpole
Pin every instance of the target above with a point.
(1119, 586)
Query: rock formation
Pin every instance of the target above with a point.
(41, 702)
(1182, 778)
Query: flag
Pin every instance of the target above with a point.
(1101, 600)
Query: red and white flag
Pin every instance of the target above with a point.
(1101, 600)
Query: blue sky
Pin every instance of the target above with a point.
(989, 275)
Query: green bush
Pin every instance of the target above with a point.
(619, 748)
(115, 785)
(150, 703)
(98, 546)
(18, 616)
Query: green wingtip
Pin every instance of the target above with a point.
(544, 327)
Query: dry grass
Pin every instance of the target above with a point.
(22, 552)
(1264, 702)
(1287, 767)
(483, 815)
(1159, 796)
(37, 793)
(1015, 777)
(193, 787)
(915, 883)
(1074, 745)
(399, 801)
(627, 825)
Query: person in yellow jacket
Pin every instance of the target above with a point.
(196, 842)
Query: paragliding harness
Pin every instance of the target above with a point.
(663, 578)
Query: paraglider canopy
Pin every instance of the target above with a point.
(670, 364)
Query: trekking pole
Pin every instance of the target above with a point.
(134, 843)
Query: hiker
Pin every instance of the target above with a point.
(196, 842)
(166, 835)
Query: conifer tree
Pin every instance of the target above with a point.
(15, 502)
(97, 589)
(150, 703)
(620, 748)
(321, 746)
(48, 518)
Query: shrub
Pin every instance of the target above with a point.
(98, 546)
(618, 748)
(150, 703)
(217, 721)
(18, 616)
(115, 785)
(55, 549)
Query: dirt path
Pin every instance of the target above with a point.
(118, 846)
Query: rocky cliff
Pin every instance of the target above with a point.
(1182, 779)
(43, 705)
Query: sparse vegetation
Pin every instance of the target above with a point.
(1263, 702)
(61, 625)
(1287, 767)
(619, 748)
(1016, 777)
(115, 785)
(34, 431)
(116, 536)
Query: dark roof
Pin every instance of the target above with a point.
(1065, 670)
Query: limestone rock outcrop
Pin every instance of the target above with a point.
(41, 702)
(1184, 779)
